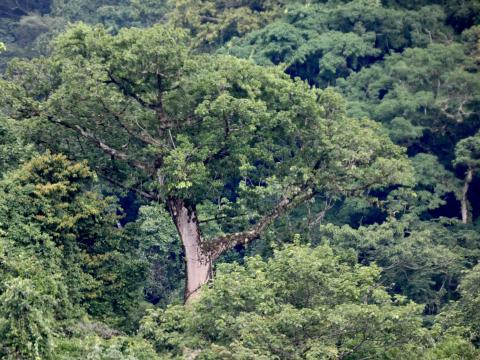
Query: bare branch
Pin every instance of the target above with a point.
(321, 215)
(217, 218)
(138, 191)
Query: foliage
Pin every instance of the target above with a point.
(435, 88)
(420, 259)
(27, 317)
(462, 316)
(301, 303)
(29, 26)
(114, 14)
(162, 249)
(92, 346)
(62, 255)
(467, 152)
(13, 149)
(212, 23)
(323, 42)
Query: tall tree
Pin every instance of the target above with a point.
(467, 154)
(226, 145)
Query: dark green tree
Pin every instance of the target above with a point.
(210, 137)
(63, 249)
(435, 88)
(325, 41)
(461, 317)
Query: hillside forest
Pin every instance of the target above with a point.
(240, 179)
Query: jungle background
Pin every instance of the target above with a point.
(380, 262)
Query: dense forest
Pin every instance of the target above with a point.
(240, 179)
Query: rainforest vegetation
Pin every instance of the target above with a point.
(240, 179)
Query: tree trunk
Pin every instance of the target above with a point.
(464, 200)
(198, 263)
(200, 256)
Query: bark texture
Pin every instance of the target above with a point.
(464, 200)
(198, 262)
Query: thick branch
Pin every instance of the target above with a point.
(221, 244)
(216, 218)
(138, 191)
(143, 136)
(205, 19)
(460, 113)
(125, 91)
(87, 134)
